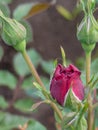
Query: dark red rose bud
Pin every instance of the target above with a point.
(64, 79)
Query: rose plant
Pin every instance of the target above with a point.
(73, 101)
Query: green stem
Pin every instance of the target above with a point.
(32, 68)
(57, 110)
(90, 108)
(36, 76)
(88, 65)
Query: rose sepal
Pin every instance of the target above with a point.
(69, 120)
(21, 47)
(71, 101)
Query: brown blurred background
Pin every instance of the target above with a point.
(50, 30)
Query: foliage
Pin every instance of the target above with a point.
(5, 77)
(8, 122)
(23, 69)
(67, 14)
(72, 115)
(23, 82)
(3, 103)
(63, 11)
(27, 80)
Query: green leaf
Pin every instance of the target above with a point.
(20, 64)
(8, 79)
(36, 105)
(8, 122)
(94, 66)
(46, 82)
(24, 104)
(35, 125)
(96, 122)
(42, 90)
(27, 83)
(63, 56)
(22, 10)
(29, 9)
(1, 53)
(68, 120)
(91, 80)
(55, 63)
(29, 32)
(38, 86)
(80, 63)
(94, 71)
(95, 83)
(39, 94)
(28, 86)
(83, 77)
(96, 117)
(5, 9)
(31, 90)
(3, 103)
(82, 125)
(64, 12)
(5, 1)
(48, 66)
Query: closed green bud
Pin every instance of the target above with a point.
(89, 5)
(13, 33)
(87, 33)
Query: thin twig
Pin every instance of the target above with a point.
(32, 68)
